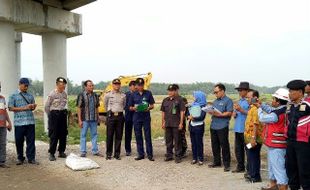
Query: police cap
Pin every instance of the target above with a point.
(140, 81)
(296, 85)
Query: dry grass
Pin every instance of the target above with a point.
(157, 131)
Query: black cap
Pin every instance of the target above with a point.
(132, 83)
(172, 87)
(176, 86)
(243, 86)
(140, 81)
(24, 81)
(116, 81)
(308, 82)
(296, 85)
(61, 79)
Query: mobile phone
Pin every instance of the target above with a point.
(254, 100)
(249, 145)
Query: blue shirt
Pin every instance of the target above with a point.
(137, 98)
(22, 118)
(224, 104)
(241, 117)
(128, 113)
(269, 116)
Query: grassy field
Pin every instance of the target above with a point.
(157, 132)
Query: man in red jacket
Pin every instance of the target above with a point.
(274, 138)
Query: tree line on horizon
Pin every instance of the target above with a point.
(36, 88)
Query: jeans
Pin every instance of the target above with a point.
(276, 165)
(93, 133)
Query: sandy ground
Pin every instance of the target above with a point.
(124, 174)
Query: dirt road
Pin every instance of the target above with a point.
(113, 174)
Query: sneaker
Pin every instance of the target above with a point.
(128, 153)
(151, 158)
(200, 163)
(83, 155)
(226, 169)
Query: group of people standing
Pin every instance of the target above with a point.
(283, 126)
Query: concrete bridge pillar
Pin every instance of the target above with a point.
(54, 47)
(9, 66)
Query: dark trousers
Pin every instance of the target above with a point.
(196, 134)
(183, 140)
(115, 125)
(239, 150)
(146, 126)
(219, 141)
(57, 131)
(254, 163)
(28, 132)
(128, 135)
(173, 137)
(298, 165)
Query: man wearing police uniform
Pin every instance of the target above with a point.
(298, 142)
(141, 102)
(115, 102)
(56, 109)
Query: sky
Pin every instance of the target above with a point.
(264, 42)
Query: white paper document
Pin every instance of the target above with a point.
(210, 108)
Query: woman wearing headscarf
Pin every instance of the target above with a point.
(197, 126)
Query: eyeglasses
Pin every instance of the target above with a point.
(216, 92)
